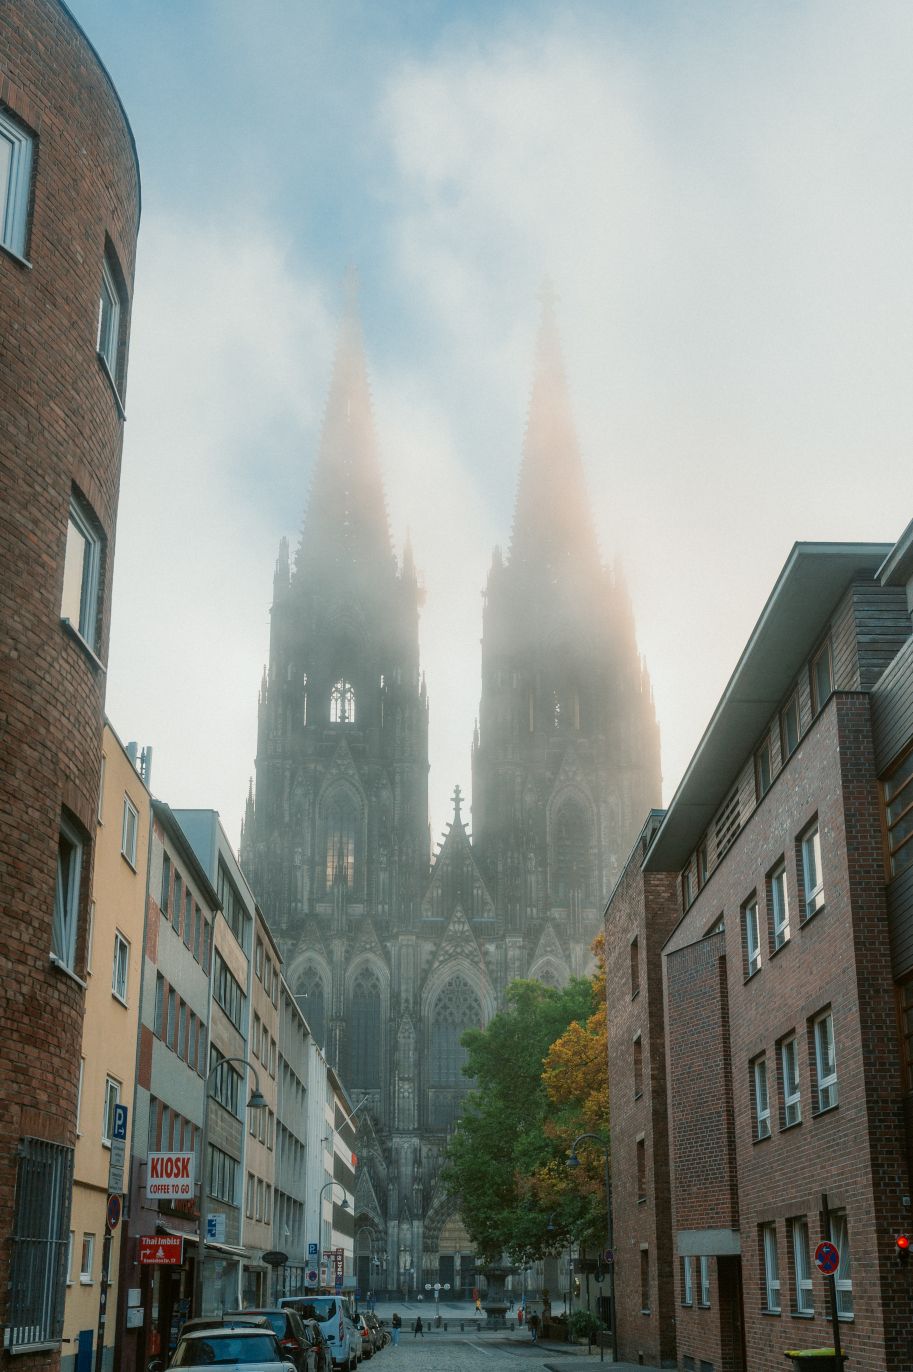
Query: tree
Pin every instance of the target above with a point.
(503, 1142)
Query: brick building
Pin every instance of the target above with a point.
(69, 213)
(784, 1066)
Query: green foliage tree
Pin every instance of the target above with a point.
(502, 1144)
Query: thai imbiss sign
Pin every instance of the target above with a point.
(169, 1176)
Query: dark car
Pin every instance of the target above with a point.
(296, 1343)
(321, 1347)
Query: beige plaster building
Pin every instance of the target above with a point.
(110, 1026)
(260, 1183)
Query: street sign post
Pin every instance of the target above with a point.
(827, 1258)
(113, 1213)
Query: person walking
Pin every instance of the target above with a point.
(418, 1328)
(533, 1323)
(396, 1325)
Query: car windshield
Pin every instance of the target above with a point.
(217, 1349)
(322, 1309)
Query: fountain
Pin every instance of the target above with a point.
(495, 1302)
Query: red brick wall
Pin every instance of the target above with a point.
(59, 425)
(642, 906)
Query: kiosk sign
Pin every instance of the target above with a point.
(169, 1176)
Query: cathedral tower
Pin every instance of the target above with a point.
(566, 756)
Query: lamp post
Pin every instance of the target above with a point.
(343, 1205)
(573, 1161)
(257, 1101)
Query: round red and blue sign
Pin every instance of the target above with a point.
(827, 1258)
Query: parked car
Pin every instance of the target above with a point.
(224, 1322)
(378, 1333)
(295, 1343)
(246, 1347)
(330, 1313)
(355, 1336)
(322, 1348)
(366, 1333)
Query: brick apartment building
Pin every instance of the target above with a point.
(788, 846)
(69, 214)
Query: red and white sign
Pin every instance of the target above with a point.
(161, 1248)
(169, 1176)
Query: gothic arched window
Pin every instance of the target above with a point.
(573, 863)
(456, 1009)
(341, 829)
(342, 703)
(365, 1031)
(309, 996)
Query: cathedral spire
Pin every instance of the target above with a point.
(553, 527)
(346, 519)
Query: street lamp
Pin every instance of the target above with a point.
(257, 1101)
(343, 1204)
(573, 1161)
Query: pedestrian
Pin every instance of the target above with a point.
(396, 1324)
(418, 1328)
(520, 1315)
(533, 1323)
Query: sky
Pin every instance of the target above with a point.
(721, 198)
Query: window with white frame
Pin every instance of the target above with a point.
(112, 1099)
(704, 1273)
(82, 1074)
(825, 1060)
(802, 1271)
(87, 1260)
(71, 1248)
(840, 1237)
(15, 184)
(342, 703)
(66, 896)
(128, 831)
(771, 1268)
(110, 316)
(82, 573)
(752, 937)
(120, 972)
(779, 905)
(687, 1282)
(813, 885)
(761, 1098)
(789, 1068)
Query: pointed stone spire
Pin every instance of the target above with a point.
(346, 519)
(553, 526)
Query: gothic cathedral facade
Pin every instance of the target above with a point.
(395, 953)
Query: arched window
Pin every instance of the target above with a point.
(341, 828)
(573, 862)
(456, 1009)
(365, 1031)
(309, 996)
(342, 703)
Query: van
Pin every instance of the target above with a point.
(329, 1312)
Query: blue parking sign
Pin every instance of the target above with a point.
(120, 1122)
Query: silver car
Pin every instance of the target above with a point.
(244, 1350)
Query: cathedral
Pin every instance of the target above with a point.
(395, 953)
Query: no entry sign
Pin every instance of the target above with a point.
(827, 1258)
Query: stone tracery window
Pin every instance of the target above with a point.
(341, 830)
(310, 997)
(342, 703)
(365, 1031)
(573, 860)
(456, 1009)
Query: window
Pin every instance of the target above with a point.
(188, 917)
(223, 1176)
(121, 968)
(752, 937)
(638, 1067)
(767, 1234)
(687, 1282)
(197, 927)
(171, 1022)
(635, 968)
(802, 1272)
(158, 1019)
(644, 1281)
(177, 894)
(779, 905)
(905, 1018)
(703, 866)
(789, 726)
(341, 823)
(822, 676)
(226, 1082)
(898, 802)
(789, 1067)
(573, 867)
(182, 1030)
(66, 896)
(82, 1076)
(641, 1169)
(101, 789)
(15, 184)
(825, 1061)
(71, 1248)
(762, 770)
(761, 1098)
(456, 1009)
(82, 573)
(342, 703)
(128, 831)
(40, 1234)
(686, 888)
(112, 1097)
(704, 1272)
(258, 959)
(87, 1260)
(813, 886)
(841, 1237)
(166, 883)
(227, 992)
(110, 314)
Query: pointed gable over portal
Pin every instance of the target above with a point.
(455, 878)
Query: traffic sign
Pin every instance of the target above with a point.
(313, 1250)
(827, 1258)
(312, 1276)
(120, 1122)
(608, 1255)
(112, 1216)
